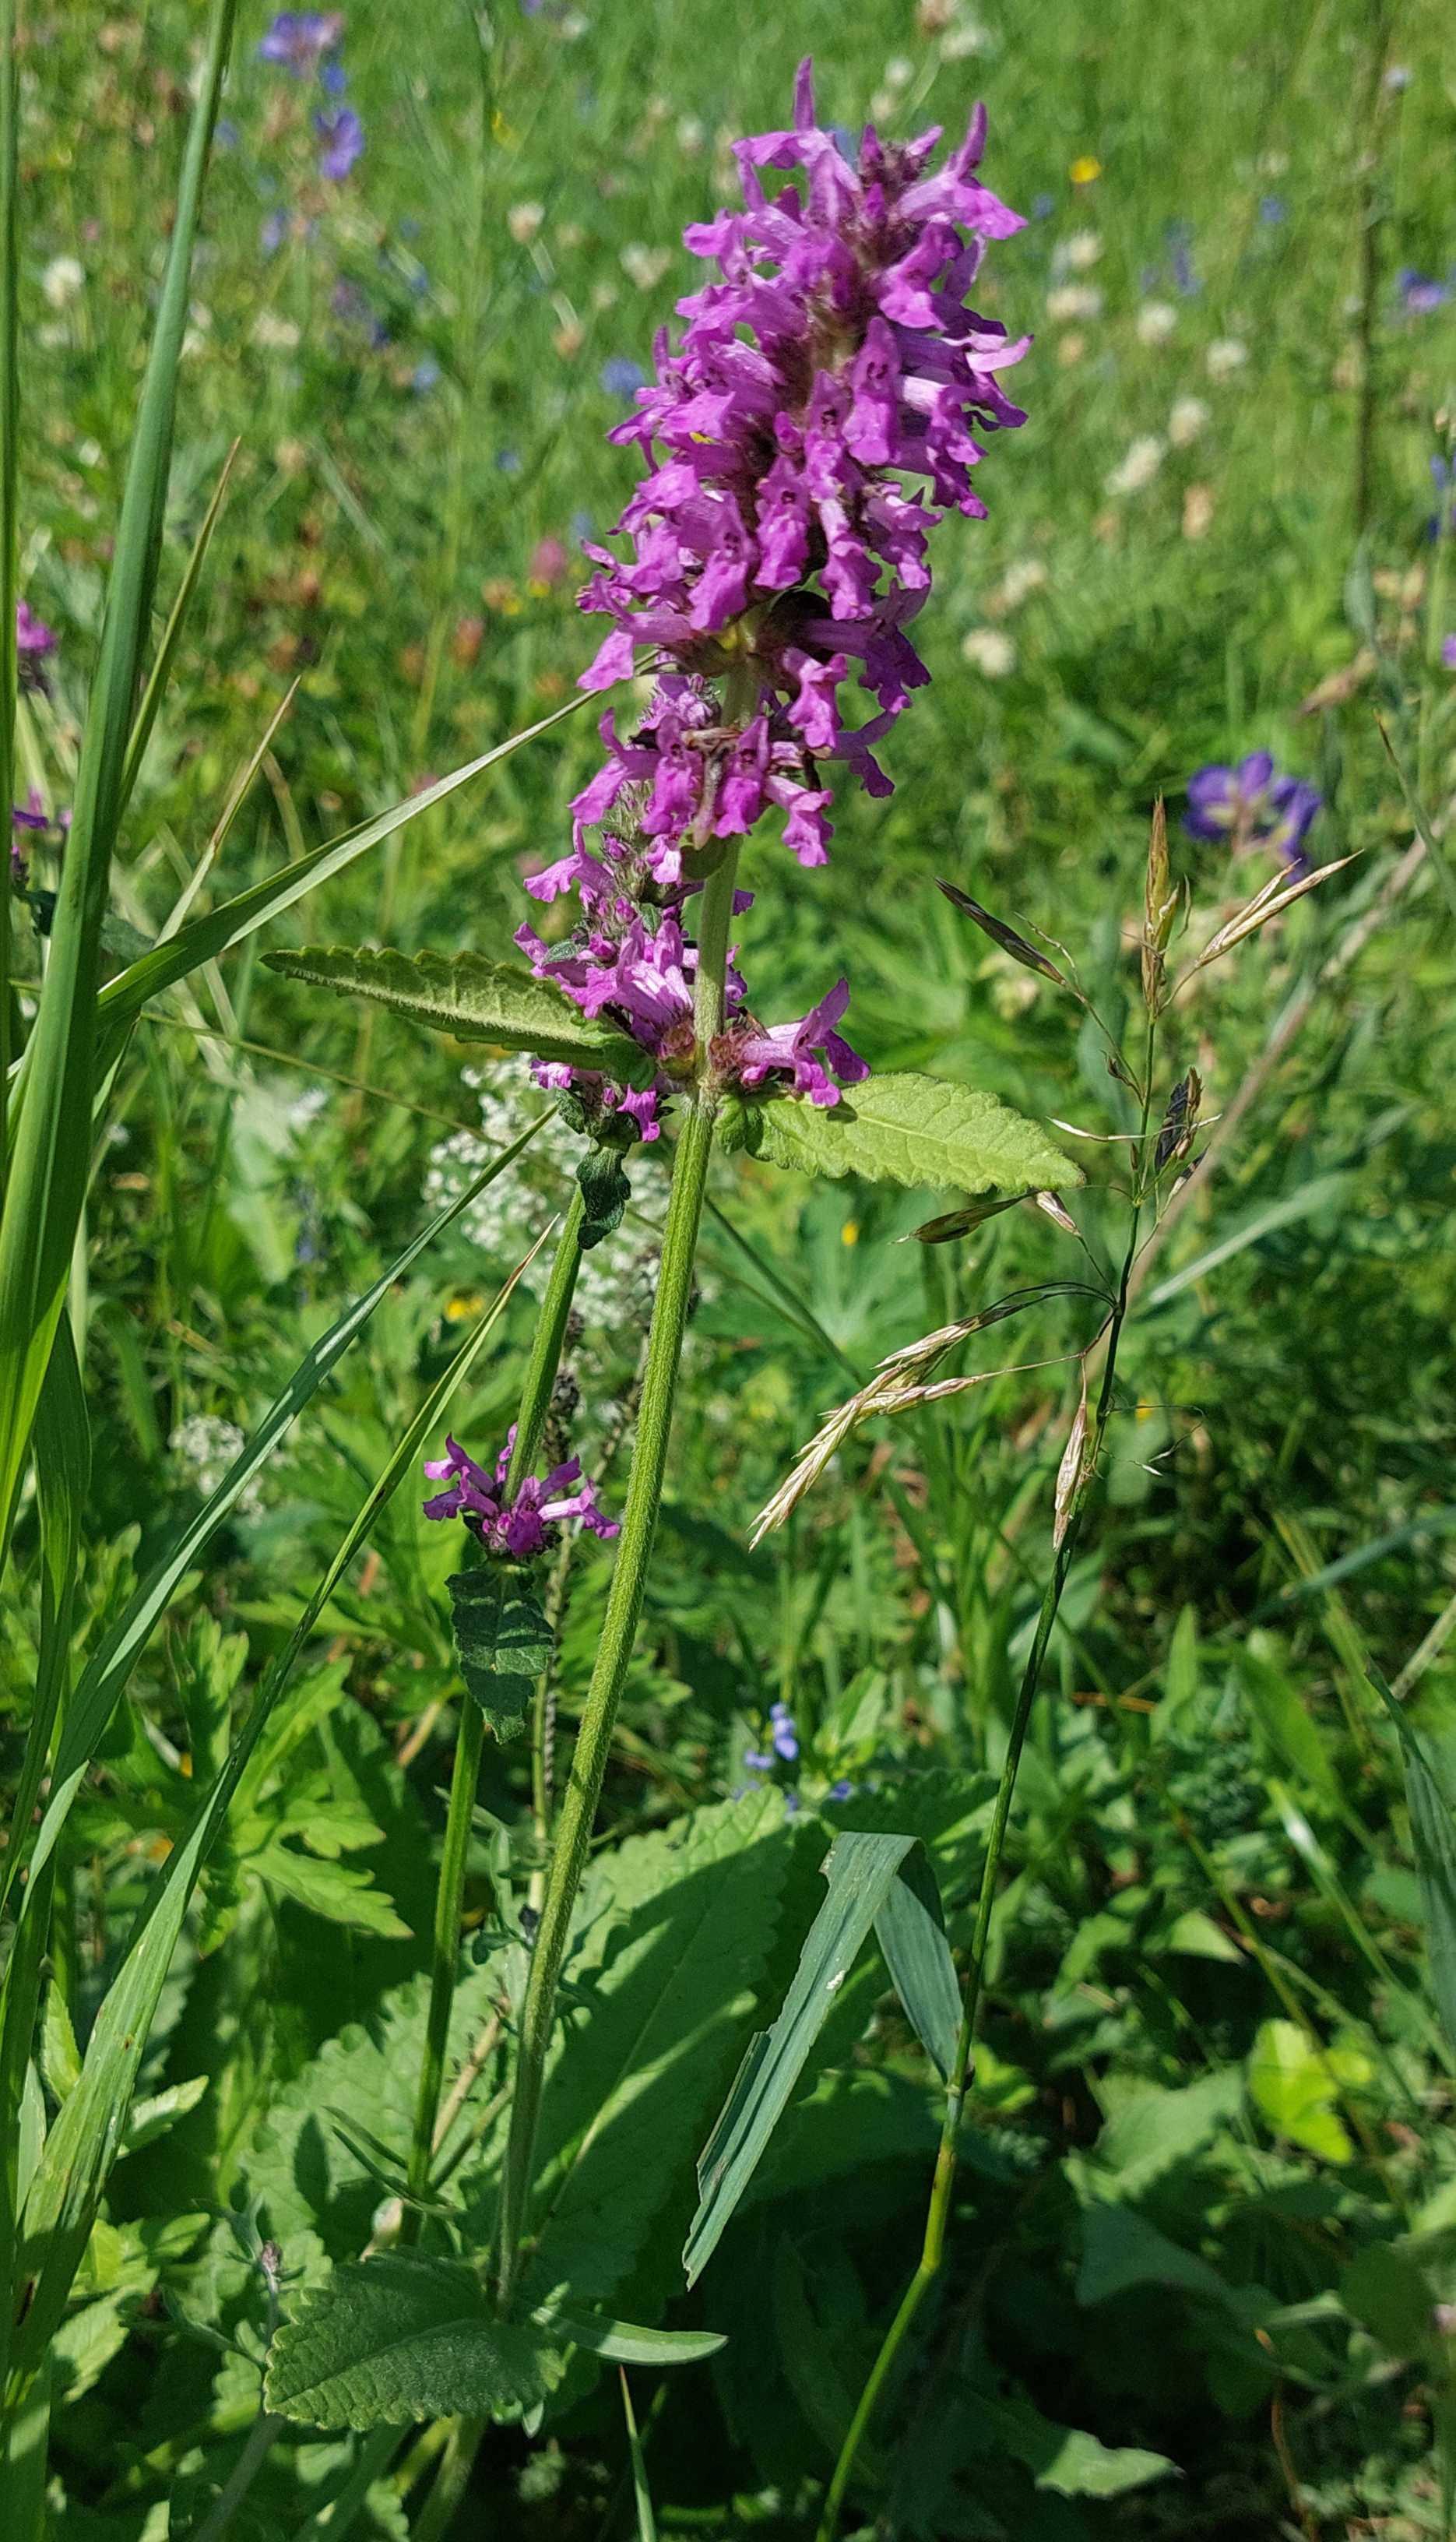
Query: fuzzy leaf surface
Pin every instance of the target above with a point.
(476, 1000)
(926, 1132)
(404, 2338)
(502, 1641)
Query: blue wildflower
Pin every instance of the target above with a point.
(343, 135)
(621, 377)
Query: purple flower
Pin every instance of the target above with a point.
(33, 644)
(784, 1733)
(1273, 209)
(621, 378)
(828, 376)
(273, 232)
(1421, 293)
(516, 1528)
(343, 135)
(25, 819)
(805, 1052)
(299, 38)
(1253, 806)
(1448, 651)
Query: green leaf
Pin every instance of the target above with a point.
(1297, 2084)
(626, 2343)
(606, 1191)
(926, 1132)
(675, 1929)
(151, 2119)
(328, 1889)
(502, 1641)
(1282, 1719)
(1070, 2460)
(404, 2338)
(859, 1871)
(475, 1000)
(1433, 1843)
(1150, 2128)
(911, 1931)
(1122, 2249)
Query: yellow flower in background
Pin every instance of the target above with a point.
(850, 1232)
(1085, 172)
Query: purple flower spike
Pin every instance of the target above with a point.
(829, 378)
(519, 1527)
(343, 135)
(35, 643)
(299, 38)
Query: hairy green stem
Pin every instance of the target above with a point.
(531, 1420)
(938, 2218)
(628, 1579)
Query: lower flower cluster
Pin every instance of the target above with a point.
(630, 958)
(524, 1523)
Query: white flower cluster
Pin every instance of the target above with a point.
(208, 1444)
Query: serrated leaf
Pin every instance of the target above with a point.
(926, 1132)
(606, 1191)
(333, 1890)
(476, 1000)
(502, 1641)
(403, 2338)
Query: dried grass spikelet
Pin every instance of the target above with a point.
(905, 1380)
(1274, 895)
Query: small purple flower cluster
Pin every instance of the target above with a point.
(304, 43)
(774, 540)
(1251, 806)
(630, 958)
(784, 1741)
(33, 646)
(519, 1527)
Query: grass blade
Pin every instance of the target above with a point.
(52, 1141)
(1433, 1843)
(160, 671)
(70, 2180)
(646, 2521)
(105, 1678)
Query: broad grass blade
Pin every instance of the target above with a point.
(911, 1931)
(1433, 1841)
(859, 1870)
(106, 1674)
(51, 1138)
(70, 2181)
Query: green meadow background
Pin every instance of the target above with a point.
(1209, 2011)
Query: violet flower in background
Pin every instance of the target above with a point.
(35, 643)
(1448, 651)
(1252, 805)
(343, 136)
(784, 1741)
(300, 39)
(1421, 293)
(522, 1526)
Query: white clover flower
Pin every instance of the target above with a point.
(988, 651)
(208, 1444)
(644, 266)
(1139, 464)
(524, 221)
(306, 1108)
(1156, 321)
(691, 135)
(1187, 418)
(63, 281)
(274, 335)
(1077, 253)
(1073, 302)
(1020, 580)
(966, 39)
(1224, 357)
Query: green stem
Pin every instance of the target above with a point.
(531, 1420)
(942, 2185)
(628, 1579)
